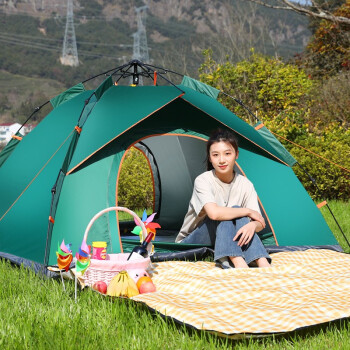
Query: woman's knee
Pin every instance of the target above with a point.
(225, 226)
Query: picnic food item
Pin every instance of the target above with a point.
(142, 249)
(100, 286)
(122, 285)
(99, 250)
(142, 280)
(147, 287)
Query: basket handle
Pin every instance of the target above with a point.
(144, 230)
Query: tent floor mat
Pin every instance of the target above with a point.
(301, 289)
(159, 238)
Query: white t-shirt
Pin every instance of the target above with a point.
(209, 189)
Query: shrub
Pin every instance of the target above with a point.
(332, 101)
(263, 83)
(135, 190)
(332, 143)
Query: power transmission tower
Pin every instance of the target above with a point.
(140, 38)
(69, 52)
(140, 48)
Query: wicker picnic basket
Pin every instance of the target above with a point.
(105, 270)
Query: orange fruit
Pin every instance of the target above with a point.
(142, 280)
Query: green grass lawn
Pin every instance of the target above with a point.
(341, 211)
(37, 314)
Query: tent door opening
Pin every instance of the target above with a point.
(175, 161)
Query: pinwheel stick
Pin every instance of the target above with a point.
(76, 286)
(64, 287)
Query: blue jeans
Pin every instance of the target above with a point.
(220, 234)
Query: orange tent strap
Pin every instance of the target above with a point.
(51, 219)
(259, 126)
(19, 138)
(155, 78)
(78, 129)
(320, 205)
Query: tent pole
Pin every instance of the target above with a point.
(240, 102)
(164, 69)
(146, 71)
(37, 109)
(56, 189)
(105, 73)
(161, 75)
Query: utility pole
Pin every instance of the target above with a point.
(140, 48)
(69, 52)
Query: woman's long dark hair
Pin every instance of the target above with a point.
(218, 136)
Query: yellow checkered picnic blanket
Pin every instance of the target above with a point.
(301, 289)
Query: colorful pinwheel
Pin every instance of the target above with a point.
(83, 258)
(64, 259)
(64, 256)
(150, 226)
(82, 263)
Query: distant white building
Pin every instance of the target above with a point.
(7, 130)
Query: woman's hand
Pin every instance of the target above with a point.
(255, 216)
(246, 233)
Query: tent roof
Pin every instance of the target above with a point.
(118, 110)
(127, 106)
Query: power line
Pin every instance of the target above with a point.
(55, 49)
(38, 46)
(80, 42)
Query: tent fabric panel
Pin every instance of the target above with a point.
(281, 194)
(105, 85)
(38, 148)
(23, 229)
(9, 148)
(176, 175)
(200, 87)
(119, 151)
(225, 116)
(194, 151)
(67, 95)
(284, 154)
(114, 114)
(84, 194)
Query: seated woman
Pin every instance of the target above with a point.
(224, 211)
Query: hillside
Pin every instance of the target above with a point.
(32, 31)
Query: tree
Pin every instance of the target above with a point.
(316, 9)
(328, 51)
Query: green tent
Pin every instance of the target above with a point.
(67, 169)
